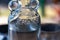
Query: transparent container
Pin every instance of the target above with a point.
(50, 10)
(50, 32)
(23, 21)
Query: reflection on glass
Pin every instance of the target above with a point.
(24, 21)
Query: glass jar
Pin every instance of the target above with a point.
(23, 21)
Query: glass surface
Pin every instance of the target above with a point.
(50, 36)
(23, 21)
(26, 20)
(50, 32)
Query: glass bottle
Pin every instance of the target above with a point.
(24, 20)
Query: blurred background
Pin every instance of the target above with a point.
(4, 11)
(49, 11)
